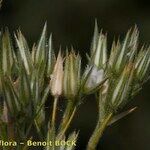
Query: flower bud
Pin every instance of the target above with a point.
(71, 75)
(95, 38)
(57, 77)
(142, 64)
(99, 48)
(94, 77)
(100, 55)
(123, 86)
(122, 53)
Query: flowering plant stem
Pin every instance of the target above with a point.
(98, 132)
(63, 131)
(54, 111)
(69, 113)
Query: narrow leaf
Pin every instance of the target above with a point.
(121, 115)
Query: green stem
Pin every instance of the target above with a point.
(67, 114)
(98, 132)
(67, 124)
(54, 111)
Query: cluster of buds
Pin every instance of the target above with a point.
(67, 80)
(115, 78)
(122, 53)
(125, 69)
(129, 68)
(117, 74)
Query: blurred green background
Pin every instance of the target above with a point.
(72, 22)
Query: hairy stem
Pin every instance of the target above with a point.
(67, 124)
(67, 114)
(54, 111)
(98, 132)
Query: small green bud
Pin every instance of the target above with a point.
(100, 55)
(71, 82)
(123, 86)
(99, 48)
(7, 53)
(142, 64)
(94, 39)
